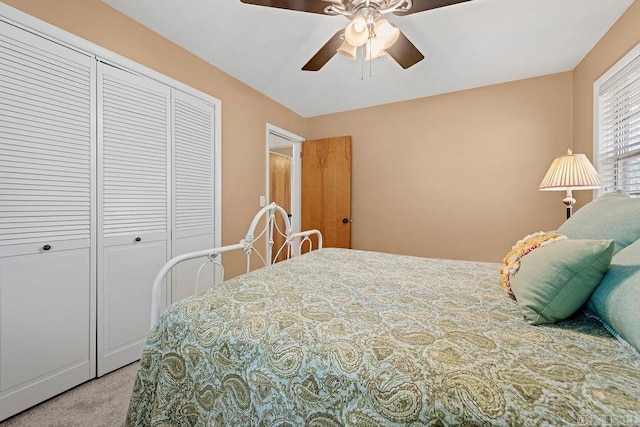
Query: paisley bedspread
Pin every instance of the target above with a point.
(344, 337)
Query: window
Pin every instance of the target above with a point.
(617, 125)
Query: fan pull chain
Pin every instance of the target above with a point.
(370, 60)
(362, 63)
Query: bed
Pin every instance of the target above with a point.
(345, 337)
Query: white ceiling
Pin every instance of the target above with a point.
(467, 45)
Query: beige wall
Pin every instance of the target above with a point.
(456, 175)
(623, 36)
(450, 176)
(245, 112)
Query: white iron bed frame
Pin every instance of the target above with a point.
(247, 245)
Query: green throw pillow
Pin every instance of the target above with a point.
(554, 281)
(616, 301)
(611, 216)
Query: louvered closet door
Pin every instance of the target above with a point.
(133, 209)
(47, 285)
(193, 146)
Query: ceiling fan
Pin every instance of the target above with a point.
(367, 28)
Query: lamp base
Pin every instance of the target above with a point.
(569, 201)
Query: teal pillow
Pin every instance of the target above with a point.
(616, 301)
(612, 216)
(554, 281)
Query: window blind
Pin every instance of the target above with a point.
(618, 138)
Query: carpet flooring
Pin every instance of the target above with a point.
(102, 402)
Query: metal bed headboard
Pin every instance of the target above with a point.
(292, 246)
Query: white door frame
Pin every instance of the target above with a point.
(278, 138)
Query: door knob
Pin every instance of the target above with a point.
(345, 220)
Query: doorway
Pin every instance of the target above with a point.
(325, 203)
(284, 177)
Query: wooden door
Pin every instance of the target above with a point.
(280, 193)
(326, 189)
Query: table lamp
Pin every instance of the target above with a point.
(571, 172)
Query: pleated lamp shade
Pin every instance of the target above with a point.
(571, 171)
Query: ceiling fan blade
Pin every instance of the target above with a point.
(422, 5)
(325, 53)
(312, 6)
(404, 52)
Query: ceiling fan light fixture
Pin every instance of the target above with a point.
(357, 32)
(374, 49)
(348, 51)
(386, 32)
(366, 23)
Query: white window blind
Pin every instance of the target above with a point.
(46, 139)
(618, 126)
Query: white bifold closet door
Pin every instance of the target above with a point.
(133, 209)
(193, 190)
(47, 260)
